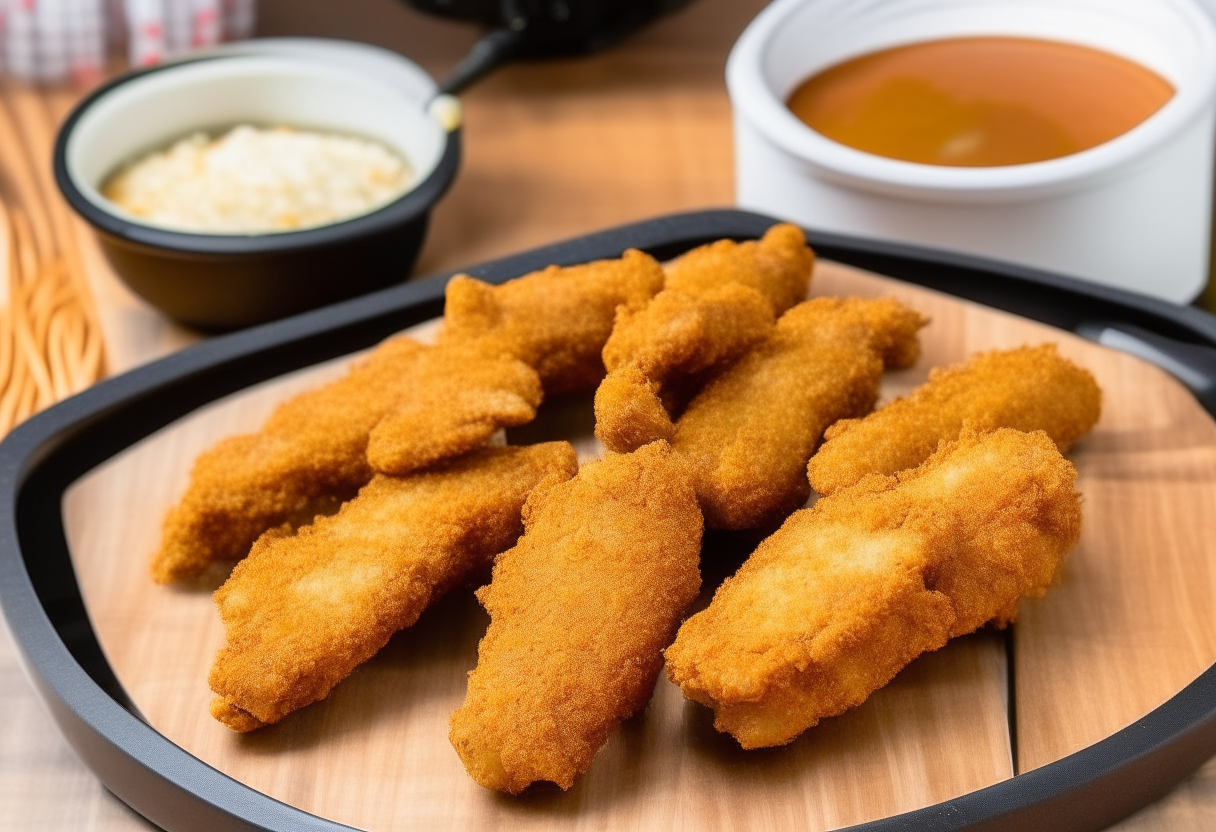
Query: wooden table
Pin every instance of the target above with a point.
(552, 150)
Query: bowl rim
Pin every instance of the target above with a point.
(409, 206)
(754, 101)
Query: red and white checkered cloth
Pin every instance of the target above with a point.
(57, 40)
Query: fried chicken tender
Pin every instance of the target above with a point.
(312, 453)
(682, 334)
(555, 320)
(1029, 388)
(304, 610)
(580, 611)
(675, 343)
(629, 412)
(309, 456)
(719, 301)
(830, 607)
(778, 265)
(460, 397)
(748, 435)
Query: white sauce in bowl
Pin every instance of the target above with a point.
(257, 180)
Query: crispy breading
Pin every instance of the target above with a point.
(748, 435)
(309, 456)
(629, 412)
(304, 610)
(718, 302)
(555, 320)
(580, 610)
(830, 607)
(1029, 388)
(682, 334)
(421, 404)
(778, 265)
(677, 337)
(460, 397)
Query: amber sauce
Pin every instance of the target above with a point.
(980, 101)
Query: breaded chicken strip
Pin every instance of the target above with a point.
(629, 412)
(718, 303)
(778, 266)
(312, 452)
(459, 397)
(310, 455)
(682, 334)
(830, 607)
(748, 434)
(304, 610)
(580, 611)
(555, 320)
(675, 343)
(1029, 388)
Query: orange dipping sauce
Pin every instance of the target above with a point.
(980, 101)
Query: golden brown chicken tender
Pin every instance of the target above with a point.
(555, 320)
(748, 434)
(778, 266)
(1029, 388)
(682, 334)
(304, 610)
(312, 452)
(580, 611)
(677, 338)
(309, 456)
(459, 397)
(629, 412)
(717, 304)
(830, 607)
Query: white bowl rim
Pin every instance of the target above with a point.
(754, 100)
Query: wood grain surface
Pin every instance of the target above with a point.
(560, 148)
(1132, 618)
(375, 753)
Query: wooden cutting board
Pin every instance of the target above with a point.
(1131, 621)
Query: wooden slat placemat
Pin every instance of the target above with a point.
(50, 334)
(1132, 618)
(375, 754)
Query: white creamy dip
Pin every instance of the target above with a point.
(253, 179)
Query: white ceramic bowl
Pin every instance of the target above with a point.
(1134, 212)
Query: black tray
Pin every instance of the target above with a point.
(1087, 790)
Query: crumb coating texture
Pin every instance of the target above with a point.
(1028, 388)
(748, 435)
(460, 396)
(580, 611)
(846, 593)
(676, 343)
(778, 265)
(304, 609)
(309, 456)
(555, 320)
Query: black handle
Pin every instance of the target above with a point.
(487, 55)
(1192, 364)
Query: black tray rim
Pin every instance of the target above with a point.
(1086, 790)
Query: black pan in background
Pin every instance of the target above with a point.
(529, 29)
(1087, 790)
